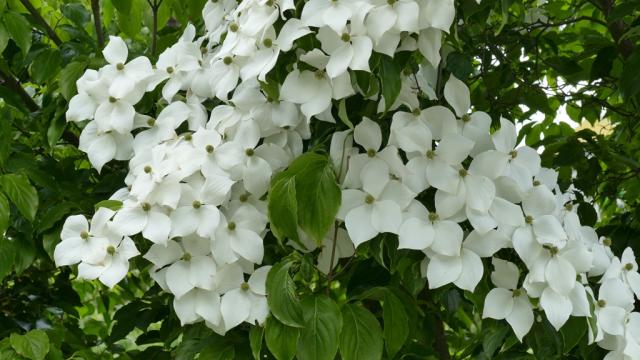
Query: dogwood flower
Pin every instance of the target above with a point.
(113, 267)
(247, 302)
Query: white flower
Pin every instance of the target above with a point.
(465, 270)
(614, 302)
(626, 269)
(124, 77)
(247, 302)
(102, 147)
(332, 13)
(113, 267)
(348, 50)
(378, 207)
(238, 236)
(507, 301)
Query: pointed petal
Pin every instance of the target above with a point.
(443, 270)
(457, 95)
(235, 308)
(556, 307)
(415, 234)
(498, 304)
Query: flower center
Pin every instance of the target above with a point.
(528, 219)
(112, 99)
(151, 122)
(602, 303)
(231, 226)
(345, 37)
(188, 137)
(606, 242)
(244, 286)
(516, 292)
(249, 152)
(146, 206)
(371, 153)
(186, 257)
(513, 154)
(369, 199)
(319, 74)
(628, 266)
(227, 60)
(466, 118)
(169, 70)
(431, 154)
(209, 148)
(111, 250)
(568, 206)
(147, 169)
(267, 42)
(84, 235)
(536, 183)
(416, 112)
(233, 27)
(196, 204)
(120, 66)
(552, 249)
(244, 197)
(462, 173)
(433, 217)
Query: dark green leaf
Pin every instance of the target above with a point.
(573, 331)
(68, 77)
(588, 215)
(564, 65)
(218, 349)
(389, 73)
(5, 213)
(7, 256)
(459, 65)
(281, 339)
(283, 301)
(76, 13)
(493, 339)
(396, 322)
(21, 193)
(46, 65)
(32, 345)
(323, 324)
(19, 29)
(361, 336)
(255, 341)
(283, 207)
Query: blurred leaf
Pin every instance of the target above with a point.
(32, 345)
(21, 193)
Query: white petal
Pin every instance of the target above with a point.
(74, 226)
(504, 139)
(505, 274)
(506, 213)
(207, 305)
(177, 276)
(472, 270)
(201, 271)
(557, 307)
(560, 275)
(480, 192)
(490, 163)
(415, 234)
(521, 317)
(130, 221)
(612, 319)
(485, 245)
(358, 223)
(101, 151)
(454, 148)
(157, 228)
(258, 280)
(116, 51)
(235, 308)
(362, 47)
(368, 134)
(184, 221)
(248, 244)
(448, 238)
(386, 216)
(429, 43)
(443, 270)
(185, 308)
(548, 230)
(498, 304)
(339, 61)
(457, 95)
(442, 176)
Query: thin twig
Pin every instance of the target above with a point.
(95, 8)
(15, 86)
(50, 32)
(155, 6)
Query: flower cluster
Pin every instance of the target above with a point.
(198, 174)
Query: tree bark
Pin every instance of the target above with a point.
(95, 8)
(50, 32)
(15, 86)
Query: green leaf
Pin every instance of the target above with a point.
(281, 339)
(342, 114)
(4, 37)
(19, 30)
(77, 13)
(218, 349)
(68, 77)
(564, 65)
(389, 73)
(130, 16)
(318, 195)
(32, 345)
(283, 207)
(7, 256)
(46, 65)
(55, 130)
(283, 301)
(396, 328)
(573, 331)
(255, 341)
(21, 193)
(493, 340)
(114, 205)
(5, 213)
(587, 213)
(323, 324)
(361, 336)
(459, 65)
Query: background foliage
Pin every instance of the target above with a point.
(532, 61)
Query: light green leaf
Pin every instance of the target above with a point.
(68, 77)
(32, 345)
(21, 193)
(283, 301)
(396, 329)
(19, 30)
(4, 37)
(361, 337)
(55, 130)
(255, 341)
(283, 207)
(323, 324)
(342, 114)
(5, 213)
(114, 205)
(281, 339)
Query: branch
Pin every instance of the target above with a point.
(617, 29)
(15, 86)
(50, 32)
(155, 5)
(95, 8)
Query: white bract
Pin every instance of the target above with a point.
(238, 104)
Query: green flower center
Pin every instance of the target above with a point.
(84, 235)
